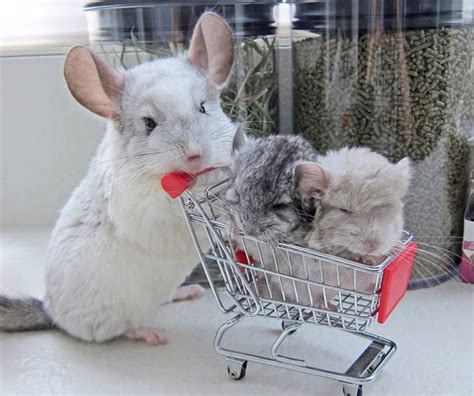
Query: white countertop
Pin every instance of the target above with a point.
(434, 330)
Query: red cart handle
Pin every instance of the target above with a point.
(175, 183)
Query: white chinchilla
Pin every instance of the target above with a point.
(120, 246)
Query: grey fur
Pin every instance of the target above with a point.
(262, 199)
(21, 314)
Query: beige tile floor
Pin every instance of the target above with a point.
(434, 329)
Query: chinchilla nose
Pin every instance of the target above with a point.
(370, 245)
(251, 229)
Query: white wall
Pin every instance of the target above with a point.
(47, 140)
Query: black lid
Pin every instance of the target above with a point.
(392, 14)
(109, 4)
(152, 19)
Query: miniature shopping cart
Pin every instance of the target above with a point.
(251, 289)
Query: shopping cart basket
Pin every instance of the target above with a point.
(283, 289)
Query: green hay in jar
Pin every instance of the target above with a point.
(402, 94)
(251, 95)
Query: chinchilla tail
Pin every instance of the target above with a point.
(22, 314)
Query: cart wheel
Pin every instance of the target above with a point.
(352, 390)
(236, 369)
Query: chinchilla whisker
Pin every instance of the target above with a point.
(254, 122)
(438, 254)
(132, 172)
(139, 173)
(424, 264)
(438, 237)
(430, 256)
(435, 263)
(446, 252)
(120, 177)
(149, 152)
(417, 272)
(437, 251)
(223, 130)
(97, 164)
(424, 274)
(461, 287)
(420, 265)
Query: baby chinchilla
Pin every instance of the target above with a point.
(261, 198)
(263, 201)
(359, 199)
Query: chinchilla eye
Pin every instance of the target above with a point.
(345, 210)
(150, 124)
(280, 206)
(202, 109)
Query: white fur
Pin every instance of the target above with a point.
(372, 189)
(121, 246)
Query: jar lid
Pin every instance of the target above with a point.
(114, 20)
(109, 4)
(392, 14)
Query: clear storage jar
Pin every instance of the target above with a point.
(397, 77)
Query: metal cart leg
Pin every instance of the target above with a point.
(236, 368)
(366, 364)
(352, 390)
(289, 329)
(368, 361)
(364, 370)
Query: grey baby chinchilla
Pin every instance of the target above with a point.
(261, 199)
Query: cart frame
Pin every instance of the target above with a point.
(355, 309)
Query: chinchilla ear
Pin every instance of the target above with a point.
(93, 83)
(212, 48)
(311, 179)
(404, 171)
(239, 140)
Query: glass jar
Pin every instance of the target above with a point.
(396, 77)
(130, 32)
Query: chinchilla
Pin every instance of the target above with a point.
(120, 246)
